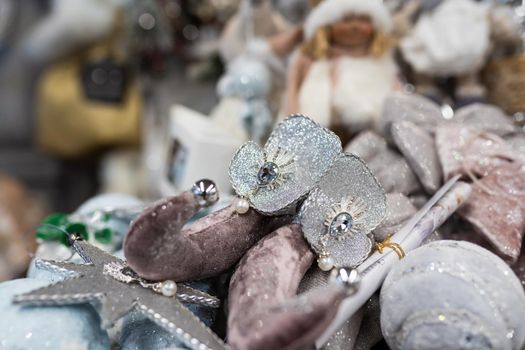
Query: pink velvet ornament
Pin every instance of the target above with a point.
(263, 313)
(469, 151)
(157, 246)
(497, 208)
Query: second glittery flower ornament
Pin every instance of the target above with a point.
(341, 212)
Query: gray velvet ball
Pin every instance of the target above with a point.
(452, 295)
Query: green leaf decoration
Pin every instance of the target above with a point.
(53, 232)
(58, 219)
(78, 228)
(104, 236)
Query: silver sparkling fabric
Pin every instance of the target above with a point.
(399, 209)
(517, 142)
(370, 331)
(394, 173)
(487, 118)
(367, 145)
(346, 337)
(348, 177)
(406, 107)
(419, 149)
(519, 269)
(452, 295)
(115, 299)
(313, 148)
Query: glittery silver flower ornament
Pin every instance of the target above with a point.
(296, 156)
(340, 213)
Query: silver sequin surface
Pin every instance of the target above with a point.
(349, 177)
(313, 149)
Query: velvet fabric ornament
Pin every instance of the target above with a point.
(157, 246)
(497, 209)
(264, 311)
(452, 295)
(261, 312)
(468, 151)
(270, 182)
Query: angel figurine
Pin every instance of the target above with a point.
(344, 69)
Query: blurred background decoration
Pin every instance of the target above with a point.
(141, 96)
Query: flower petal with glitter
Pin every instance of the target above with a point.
(339, 214)
(296, 156)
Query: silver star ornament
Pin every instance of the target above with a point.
(115, 290)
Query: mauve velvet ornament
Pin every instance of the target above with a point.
(263, 313)
(497, 209)
(157, 246)
(468, 151)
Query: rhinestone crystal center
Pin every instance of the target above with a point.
(341, 225)
(268, 173)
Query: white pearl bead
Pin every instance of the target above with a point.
(241, 205)
(168, 288)
(325, 263)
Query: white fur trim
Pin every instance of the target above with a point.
(332, 11)
(358, 94)
(434, 46)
